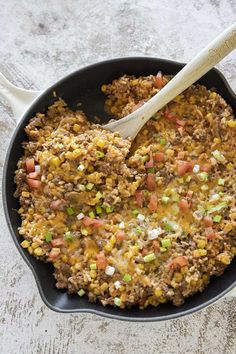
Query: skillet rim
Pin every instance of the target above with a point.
(23, 120)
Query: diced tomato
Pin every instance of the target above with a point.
(144, 251)
(206, 167)
(33, 183)
(153, 203)
(54, 253)
(180, 261)
(57, 242)
(184, 205)
(30, 166)
(101, 261)
(139, 198)
(120, 235)
(150, 163)
(87, 221)
(156, 246)
(33, 175)
(159, 157)
(180, 122)
(172, 117)
(151, 183)
(58, 204)
(159, 80)
(212, 236)
(184, 167)
(208, 221)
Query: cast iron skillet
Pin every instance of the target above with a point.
(84, 86)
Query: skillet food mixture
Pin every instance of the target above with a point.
(133, 225)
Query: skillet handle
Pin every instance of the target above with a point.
(18, 98)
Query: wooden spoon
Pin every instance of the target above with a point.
(130, 125)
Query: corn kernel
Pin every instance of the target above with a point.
(77, 266)
(158, 292)
(192, 100)
(213, 95)
(209, 117)
(25, 244)
(229, 166)
(30, 250)
(224, 258)
(113, 239)
(178, 277)
(108, 247)
(93, 273)
(103, 88)
(76, 128)
(217, 140)
(231, 123)
(25, 194)
(233, 250)
(55, 162)
(113, 109)
(35, 245)
(38, 251)
(104, 286)
(201, 244)
(162, 300)
(101, 143)
(233, 215)
(77, 153)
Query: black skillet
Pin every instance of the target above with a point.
(84, 86)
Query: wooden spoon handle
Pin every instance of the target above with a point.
(194, 70)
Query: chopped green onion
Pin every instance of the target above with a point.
(98, 209)
(217, 218)
(81, 292)
(175, 209)
(168, 226)
(163, 249)
(70, 211)
(135, 212)
(188, 179)
(91, 214)
(162, 141)
(109, 209)
(165, 199)
(181, 180)
(166, 242)
(149, 257)
(203, 176)
(84, 232)
(99, 195)
(117, 301)
(100, 154)
(175, 197)
(89, 186)
(221, 182)
(93, 266)
(151, 170)
(138, 230)
(219, 156)
(68, 236)
(217, 208)
(127, 278)
(48, 236)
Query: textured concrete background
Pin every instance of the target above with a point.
(39, 43)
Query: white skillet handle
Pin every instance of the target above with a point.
(194, 70)
(18, 98)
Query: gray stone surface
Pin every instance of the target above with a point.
(41, 42)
